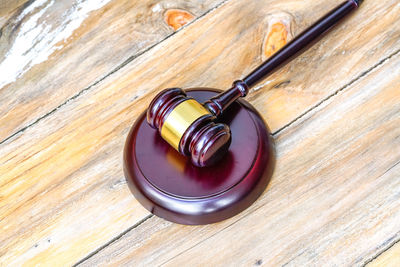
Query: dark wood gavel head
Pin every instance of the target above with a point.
(189, 127)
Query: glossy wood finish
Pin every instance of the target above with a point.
(58, 49)
(333, 199)
(309, 36)
(168, 185)
(204, 141)
(64, 198)
(300, 42)
(207, 142)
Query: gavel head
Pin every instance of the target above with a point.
(189, 127)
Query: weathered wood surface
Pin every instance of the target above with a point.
(8, 8)
(334, 197)
(62, 189)
(56, 49)
(390, 258)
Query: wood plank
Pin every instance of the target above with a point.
(390, 258)
(8, 9)
(333, 199)
(61, 180)
(55, 49)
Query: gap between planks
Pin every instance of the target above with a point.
(391, 242)
(120, 66)
(114, 239)
(296, 116)
(239, 219)
(388, 256)
(375, 257)
(363, 74)
(336, 92)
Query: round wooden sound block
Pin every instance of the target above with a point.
(169, 186)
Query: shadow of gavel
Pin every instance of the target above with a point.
(191, 127)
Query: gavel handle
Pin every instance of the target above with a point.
(240, 88)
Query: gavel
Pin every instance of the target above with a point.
(193, 128)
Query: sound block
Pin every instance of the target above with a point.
(169, 186)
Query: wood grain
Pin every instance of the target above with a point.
(390, 258)
(8, 9)
(63, 194)
(177, 18)
(279, 32)
(333, 199)
(55, 49)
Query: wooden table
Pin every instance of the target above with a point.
(74, 76)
